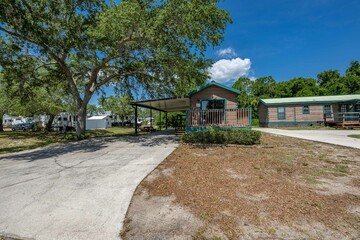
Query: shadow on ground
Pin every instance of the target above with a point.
(92, 145)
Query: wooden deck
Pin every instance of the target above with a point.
(226, 118)
(343, 120)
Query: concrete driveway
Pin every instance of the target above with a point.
(337, 137)
(79, 190)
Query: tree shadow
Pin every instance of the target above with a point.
(157, 139)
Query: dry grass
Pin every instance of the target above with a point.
(285, 189)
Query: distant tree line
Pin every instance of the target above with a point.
(329, 82)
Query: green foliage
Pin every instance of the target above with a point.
(218, 135)
(118, 105)
(264, 87)
(255, 122)
(91, 110)
(297, 87)
(353, 69)
(354, 136)
(153, 47)
(327, 76)
(329, 82)
(252, 91)
(171, 117)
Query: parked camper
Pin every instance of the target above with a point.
(7, 121)
(64, 122)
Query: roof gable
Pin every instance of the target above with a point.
(213, 83)
(313, 99)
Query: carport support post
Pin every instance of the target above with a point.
(150, 118)
(160, 120)
(166, 121)
(136, 117)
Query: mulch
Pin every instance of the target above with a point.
(230, 186)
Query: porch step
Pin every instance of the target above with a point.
(180, 131)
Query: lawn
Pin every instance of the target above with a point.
(18, 141)
(284, 188)
(354, 136)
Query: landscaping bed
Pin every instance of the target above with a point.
(284, 188)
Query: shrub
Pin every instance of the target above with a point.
(255, 122)
(218, 135)
(244, 137)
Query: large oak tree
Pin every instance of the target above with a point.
(154, 45)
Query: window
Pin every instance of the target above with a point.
(212, 104)
(357, 108)
(281, 113)
(343, 108)
(327, 109)
(306, 109)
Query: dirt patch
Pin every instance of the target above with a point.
(291, 189)
(159, 218)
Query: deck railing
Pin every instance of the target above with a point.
(239, 117)
(343, 119)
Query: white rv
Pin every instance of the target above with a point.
(64, 121)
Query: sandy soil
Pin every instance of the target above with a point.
(284, 188)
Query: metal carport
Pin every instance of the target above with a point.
(163, 105)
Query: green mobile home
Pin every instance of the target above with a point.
(277, 112)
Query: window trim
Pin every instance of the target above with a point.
(303, 112)
(284, 118)
(331, 110)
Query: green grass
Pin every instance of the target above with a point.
(341, 170)
(311, 180)
(354, 135)
(19, 141)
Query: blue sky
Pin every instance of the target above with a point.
(287, 38)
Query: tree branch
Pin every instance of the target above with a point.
(109, 78)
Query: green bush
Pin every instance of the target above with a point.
(218, 135)
(255, 122)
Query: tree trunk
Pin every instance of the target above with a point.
(49, 123)
(123, 121)
(1, 124)
(81, 121)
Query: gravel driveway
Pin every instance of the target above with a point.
(337, 137)
(78, 190)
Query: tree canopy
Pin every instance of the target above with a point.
(329, 82)
(157, 46)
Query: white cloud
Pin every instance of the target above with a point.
(226, 52)
(226, 70)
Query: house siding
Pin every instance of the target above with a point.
(214, 92)
(268, 115)
(228, 118)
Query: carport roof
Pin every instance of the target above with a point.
(165, 104)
